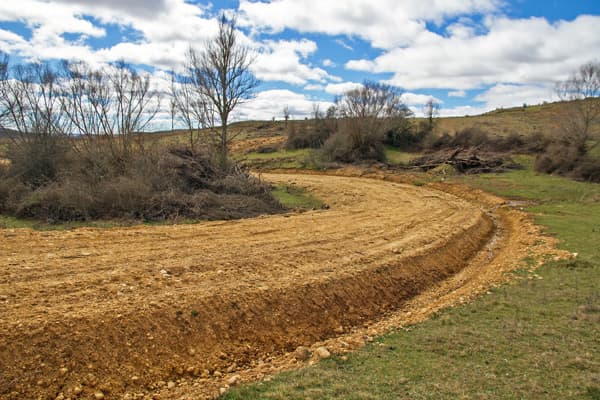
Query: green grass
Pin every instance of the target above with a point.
(536, 338)
(595, 152)
(394, 156)
(295, 197)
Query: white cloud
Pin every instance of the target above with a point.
(328, 63)
(359, 18)
(461, 111)
(504, 96)
(510, 95)
(341, 88)
(345, 45)
(313, 86)
(516, 51)
(165, 29)
(457, 93)
(282, 61)
(270, 103)
(415, 99)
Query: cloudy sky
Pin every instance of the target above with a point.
(470, 55)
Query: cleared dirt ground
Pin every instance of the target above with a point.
(123, 311)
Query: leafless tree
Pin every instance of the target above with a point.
(173, 112)
(431, 109)
(371, 109)
(579, 122)
(114, 104)
(30, 100)
(4, 113)
(221, 71)
(286, 114)
(30, 109)
(192, 107)
(365, 115)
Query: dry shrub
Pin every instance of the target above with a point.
(347, 148)
(301, 136)
(38, 160)
(476, 137)
(149, 185)
(568, 161)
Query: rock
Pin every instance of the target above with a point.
(60, 397)
(233, 380)
(217, 373)
(63, 371)
(77, 390)
(344, 358)
(99, 395)
(322, 352)
(170, 385)
(205, 373)
(135, 378)
(232, 367)
(302, 353)
(222, 390)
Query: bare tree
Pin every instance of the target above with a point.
(579, 122)
(221, 72)
(173, 112)
(30, 107)
(114, 104)
(4, 113)
(192, 107)
(431, 109)
(371, 109)
(365, 115)
(286, 114)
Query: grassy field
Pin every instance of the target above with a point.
(296, 197)
(537, 338)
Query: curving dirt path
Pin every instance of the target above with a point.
(122, 311)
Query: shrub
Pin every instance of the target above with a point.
(38, 160)
(149, 185)
(405, 138)
(476, 137)
(568, 161)
(313, 136)
(342, 147)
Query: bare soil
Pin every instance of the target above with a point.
(123, 311)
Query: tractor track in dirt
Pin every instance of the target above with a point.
(122, 311)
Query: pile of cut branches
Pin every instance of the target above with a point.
(464, 161)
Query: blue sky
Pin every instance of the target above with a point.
(469, 55)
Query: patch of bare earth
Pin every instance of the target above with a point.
(183, 311)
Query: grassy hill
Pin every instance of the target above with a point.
(542, 118)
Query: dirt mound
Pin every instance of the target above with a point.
(122, 311)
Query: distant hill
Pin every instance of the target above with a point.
(544, 118)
